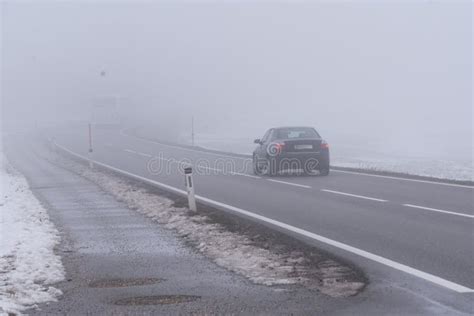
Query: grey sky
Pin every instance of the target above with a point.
(398, 74)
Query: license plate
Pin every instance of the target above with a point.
(302, 147)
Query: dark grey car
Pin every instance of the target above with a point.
(291, 148)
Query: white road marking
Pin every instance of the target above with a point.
(202, 167)
(230, 172)
(404, 179)
(354, 195)
(182, 147)
(145, 155)
(130, 151)
(332, 170)
(439, 211)
(208, 168)
(362, 253)
(149, 156)
(171, 160)
(309, 187)
(290, 183)
(244, 175)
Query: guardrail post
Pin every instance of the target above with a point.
(188, 176)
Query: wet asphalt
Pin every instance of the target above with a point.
(106, 248)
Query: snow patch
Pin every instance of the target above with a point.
(28, 264)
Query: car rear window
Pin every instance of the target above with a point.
(296, 132)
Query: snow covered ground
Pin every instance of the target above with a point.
(370, 157)
(28, 264)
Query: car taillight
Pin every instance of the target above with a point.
(324, 145)
(279, 147)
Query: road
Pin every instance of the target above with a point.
(418, 234)
(107, 250)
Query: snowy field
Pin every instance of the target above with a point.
(28, 264)
(369, 158)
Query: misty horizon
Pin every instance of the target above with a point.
(396, 77)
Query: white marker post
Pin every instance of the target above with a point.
(91, 165)
(188, 176)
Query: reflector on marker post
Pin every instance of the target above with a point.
(188, 176)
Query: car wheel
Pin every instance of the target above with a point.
(310, 172)
(256, 168)
(324, 172)
(265, 168)
(270, 168)
(262, 168)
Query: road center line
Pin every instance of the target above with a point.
(130, 151)
(354, 195)
(439, 211)
(362, 253)
(403, 179)
(244, 175)
(145, 155)
(290, 183)
(208, 168)
(230, 172)
(202, 167)
(150, 156)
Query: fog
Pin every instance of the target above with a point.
(394, 76)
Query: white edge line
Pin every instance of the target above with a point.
(404, 179)
(162, 185)
(439, 211)
(354, 195)
(290, 183)
(362, 253)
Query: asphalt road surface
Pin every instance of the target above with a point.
(105, 245)
(416, 235)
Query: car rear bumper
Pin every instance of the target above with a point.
(305, 161)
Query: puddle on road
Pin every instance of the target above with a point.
(123, 282)
(157, 300)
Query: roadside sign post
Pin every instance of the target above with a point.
(91, 165)
(188, 175)
(192, 130)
